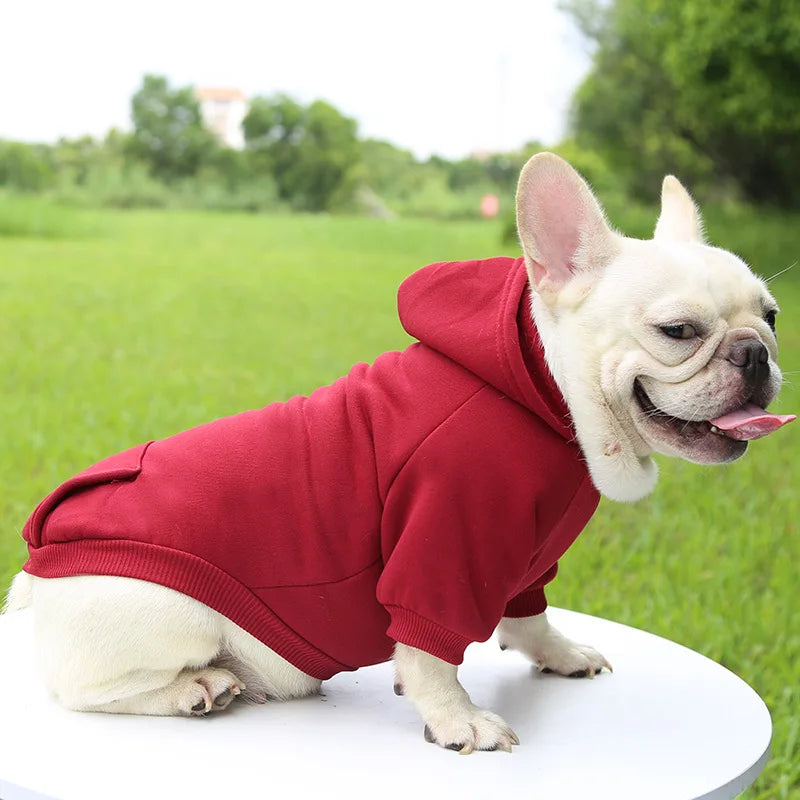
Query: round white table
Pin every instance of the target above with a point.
(668, 723)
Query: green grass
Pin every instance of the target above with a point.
(28, 216)
(150, 322)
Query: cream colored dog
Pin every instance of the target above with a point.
(665, 345)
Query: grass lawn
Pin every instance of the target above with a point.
(142, 324)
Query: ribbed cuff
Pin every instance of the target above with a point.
(416, 631)
(190, 575)
(527, 604)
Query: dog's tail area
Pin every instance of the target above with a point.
(20, 595)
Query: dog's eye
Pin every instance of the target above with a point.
(684, 331)
(769, 318)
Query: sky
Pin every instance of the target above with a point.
(435, 77)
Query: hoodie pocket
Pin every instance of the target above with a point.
(124, 466)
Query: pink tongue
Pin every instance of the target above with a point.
(750, 422)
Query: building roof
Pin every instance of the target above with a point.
(212, 93)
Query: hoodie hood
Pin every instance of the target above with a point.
(478, 314)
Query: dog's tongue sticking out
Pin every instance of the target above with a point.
(750, 422)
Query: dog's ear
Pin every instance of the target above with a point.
(561, 225)
(680, 220)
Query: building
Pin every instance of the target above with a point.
(223, 111)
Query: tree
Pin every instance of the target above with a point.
(388, 170)
(706, 90)
(327, 152)
(272, 127)
(26, 166)
(310, 151)
(168, 132)
(75, 158)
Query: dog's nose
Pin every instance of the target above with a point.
(752, 357)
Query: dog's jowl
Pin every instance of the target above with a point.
(418, 503)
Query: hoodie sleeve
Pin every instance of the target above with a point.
(459, 527)
(532, 601)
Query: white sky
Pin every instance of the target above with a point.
(434, 77)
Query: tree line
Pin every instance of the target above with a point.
(706, 91)
(296, 157)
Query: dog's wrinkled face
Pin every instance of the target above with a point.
(665, 345)
(694, 364)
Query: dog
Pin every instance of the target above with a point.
(421, 502)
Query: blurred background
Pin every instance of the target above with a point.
(413, 110)
(206, 207)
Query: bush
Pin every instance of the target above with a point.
(25, 167)
(210, 190)
(111, 186)
(132, 186)
(436, 200)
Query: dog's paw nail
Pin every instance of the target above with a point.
(545, 670)
(471, 743)
(503, 646)
(428, 734)
(398, 689)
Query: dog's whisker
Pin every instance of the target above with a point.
(777, 274)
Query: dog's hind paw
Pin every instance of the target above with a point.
(471, 729)
(199, 692)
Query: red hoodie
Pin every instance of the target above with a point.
(419, 499)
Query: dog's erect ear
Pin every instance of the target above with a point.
(680, 220)
(561, 225)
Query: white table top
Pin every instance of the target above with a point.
(668, 724)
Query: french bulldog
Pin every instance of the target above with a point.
(597, 352)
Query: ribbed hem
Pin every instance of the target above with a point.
(527, 604)
(190, 575)
(416, 631)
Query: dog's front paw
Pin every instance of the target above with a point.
(549, 649)
(471, 729)
(571, 659)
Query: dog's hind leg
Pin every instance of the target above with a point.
(267, 675)
(190, 693)
(128, 646)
